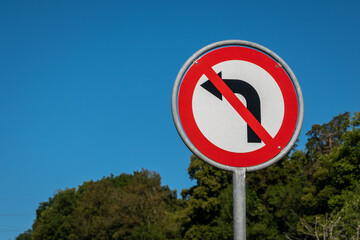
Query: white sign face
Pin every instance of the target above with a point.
(235, 104)
(227, 129)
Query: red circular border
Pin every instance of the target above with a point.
(186, 90)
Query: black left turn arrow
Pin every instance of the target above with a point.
(248, 92)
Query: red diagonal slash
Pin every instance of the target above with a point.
(238, 105)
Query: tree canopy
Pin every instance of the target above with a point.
(123, 207)
(312, 193)
(309, 189)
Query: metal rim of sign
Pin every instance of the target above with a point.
(192, 59)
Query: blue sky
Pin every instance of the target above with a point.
(85, 86)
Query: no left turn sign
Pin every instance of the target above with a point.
(237, 104)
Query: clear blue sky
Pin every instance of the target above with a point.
(85, 86)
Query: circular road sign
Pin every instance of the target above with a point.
(236, 104)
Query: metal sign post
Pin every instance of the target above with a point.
(239, 195)
(239, 107)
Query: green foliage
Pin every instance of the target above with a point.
(310, 194)
(335, 171)
(323, 138)
(124, 207)
(24, 236)
(309, 185)
(331, 191)
(206, 203)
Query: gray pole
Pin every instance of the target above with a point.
(239, 194)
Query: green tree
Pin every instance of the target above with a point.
(331, 193)
(24, 236)
(273, 196)
(303, 186)
(310, 194)
(123, 207)
(323, 138)
(333, 171)
(207, 204)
